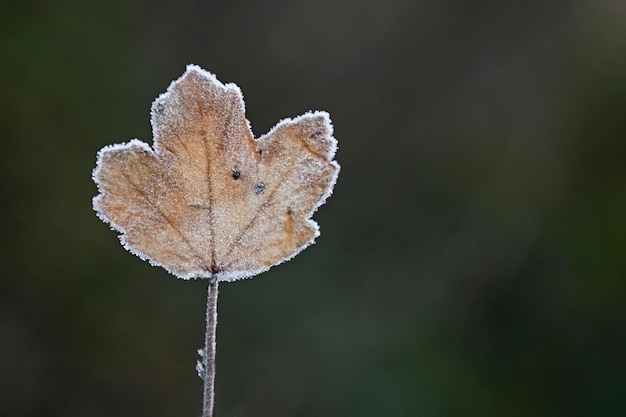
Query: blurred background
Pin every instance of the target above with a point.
(472, 258)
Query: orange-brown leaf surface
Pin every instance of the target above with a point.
(208, 200)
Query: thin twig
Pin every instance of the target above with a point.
(209, 349)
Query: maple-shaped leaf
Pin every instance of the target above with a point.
(208, 200)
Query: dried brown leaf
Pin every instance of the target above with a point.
(209, 200)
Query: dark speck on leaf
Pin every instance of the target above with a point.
(236, 174)
(259, 187)
(316, 135)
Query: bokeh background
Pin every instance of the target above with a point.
(472, 258)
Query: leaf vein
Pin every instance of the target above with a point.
(263, 205)
(167, 219)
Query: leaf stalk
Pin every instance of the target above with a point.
(209, 349)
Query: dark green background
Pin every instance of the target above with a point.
(472, 258)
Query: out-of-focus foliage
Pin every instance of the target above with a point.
(472, 260)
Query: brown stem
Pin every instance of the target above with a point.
(209, 349)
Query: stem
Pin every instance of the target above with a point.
(209, 349)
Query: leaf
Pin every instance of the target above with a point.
(210, 201)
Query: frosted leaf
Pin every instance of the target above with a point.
(209, 200)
